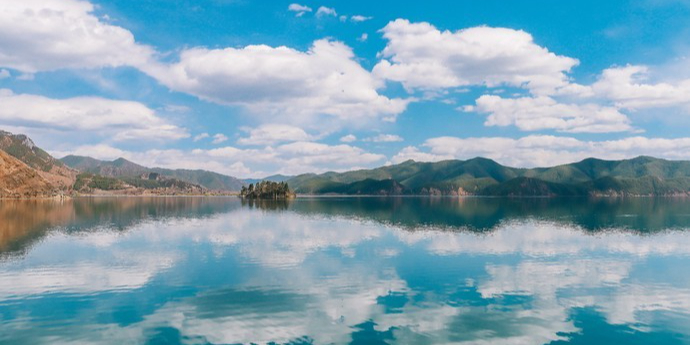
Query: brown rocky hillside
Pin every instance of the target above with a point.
(17, 180)
(53, 170)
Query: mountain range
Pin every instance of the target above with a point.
(28, 171)
(481, 176)
(124, 168)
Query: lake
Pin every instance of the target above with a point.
(345, 270)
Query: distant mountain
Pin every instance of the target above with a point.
(23, 148)
(146, 184)
(18, 180)
(272, 178)
(121, 168)
(481, 176)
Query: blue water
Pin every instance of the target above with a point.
(345, 270)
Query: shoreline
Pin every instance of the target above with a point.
(336, 196)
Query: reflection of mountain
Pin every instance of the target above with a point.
(26, 221)
(297, 275)
(486, 214)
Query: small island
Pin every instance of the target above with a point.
(267, 190)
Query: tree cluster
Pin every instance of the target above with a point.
(267, 190)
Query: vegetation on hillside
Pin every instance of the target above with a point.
(481, 176)
(88, 182)
(122, 168)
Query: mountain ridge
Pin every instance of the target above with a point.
(122, 167)
(637, 176)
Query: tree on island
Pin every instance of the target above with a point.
(267, 190)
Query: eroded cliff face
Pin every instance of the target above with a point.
(18, 180)
(52, 170)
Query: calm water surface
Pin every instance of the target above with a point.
(345, 270)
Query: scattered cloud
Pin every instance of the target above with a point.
(4, 74)
(542, 112)
(384, 138)
(270, 134)
(422, 57)
(359, 18)
(348, 138)
(219, 138)
(324, 86)
(543, 150)
(299, 9)
(364, 37)
(44, 35)
(201, 136)
(111, 119)
(326, 11)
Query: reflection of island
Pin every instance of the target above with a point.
(264, 204)
(486, 214)
(26, 221)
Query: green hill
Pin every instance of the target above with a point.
(122, 168)
(481, 176)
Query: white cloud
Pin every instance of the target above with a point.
(219, 138)
(539, 113)
(326, 11)
(283, 84)
(289, 159)
(422, 57)
(43, 35)
(544, 150)
(627, 88)
(359, 18)
(4, 74)
(384, 138)
(364, 37)
(270, 134)
(201, 136)
(348, 138)
(112, 119)
(299, 9)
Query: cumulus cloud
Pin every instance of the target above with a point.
(290, 159)
(627, 87)
(283, 84)
(363, 38)
(44, 35)
(219, 138)
(542, 112)
(326, 11)
(543, 150)
(422, 57)
(384, 138)
(348, 138)
(112, 119)
(299, 9)
(270, 134)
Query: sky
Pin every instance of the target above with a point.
(255, 88)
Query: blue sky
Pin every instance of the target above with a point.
(252, 88)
